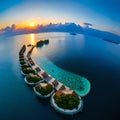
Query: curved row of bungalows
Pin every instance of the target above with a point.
(45, 86)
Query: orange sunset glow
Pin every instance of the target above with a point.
(32, 24)
(59, 59)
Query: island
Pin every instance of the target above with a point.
(42, 42)
(63, 99)
(32, 79)
(44, 90)
(67, 102)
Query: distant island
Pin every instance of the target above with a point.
(42, 42)
(110, 40)
(71, 28)
(73, 34)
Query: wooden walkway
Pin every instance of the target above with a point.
(46, 77)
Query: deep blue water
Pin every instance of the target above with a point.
(93, 58)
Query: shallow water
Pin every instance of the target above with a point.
(76, 82)
(93, 58)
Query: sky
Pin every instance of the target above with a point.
(103, 14)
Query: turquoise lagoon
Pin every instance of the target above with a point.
(80, 55)
(76, 82)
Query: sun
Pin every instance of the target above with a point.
(32, 24)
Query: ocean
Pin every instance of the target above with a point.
(79, 55)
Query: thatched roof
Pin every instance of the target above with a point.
(67, 92)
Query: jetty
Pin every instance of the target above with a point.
(46, 77)
(58, 87)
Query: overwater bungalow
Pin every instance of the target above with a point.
(66, 102)
(44, 90)
(32, 79)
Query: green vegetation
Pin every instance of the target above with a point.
(44, 91)
(46, 41)
(24, 66)
(23, 49)
(33, 78)
(28, 70)
(22, 62)
(22, 59)
(29, 45)
(21, 56)
(67, 101)
(42, 42)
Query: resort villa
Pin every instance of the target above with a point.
(63, 99)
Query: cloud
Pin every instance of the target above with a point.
(87, 25)
(67, 27)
